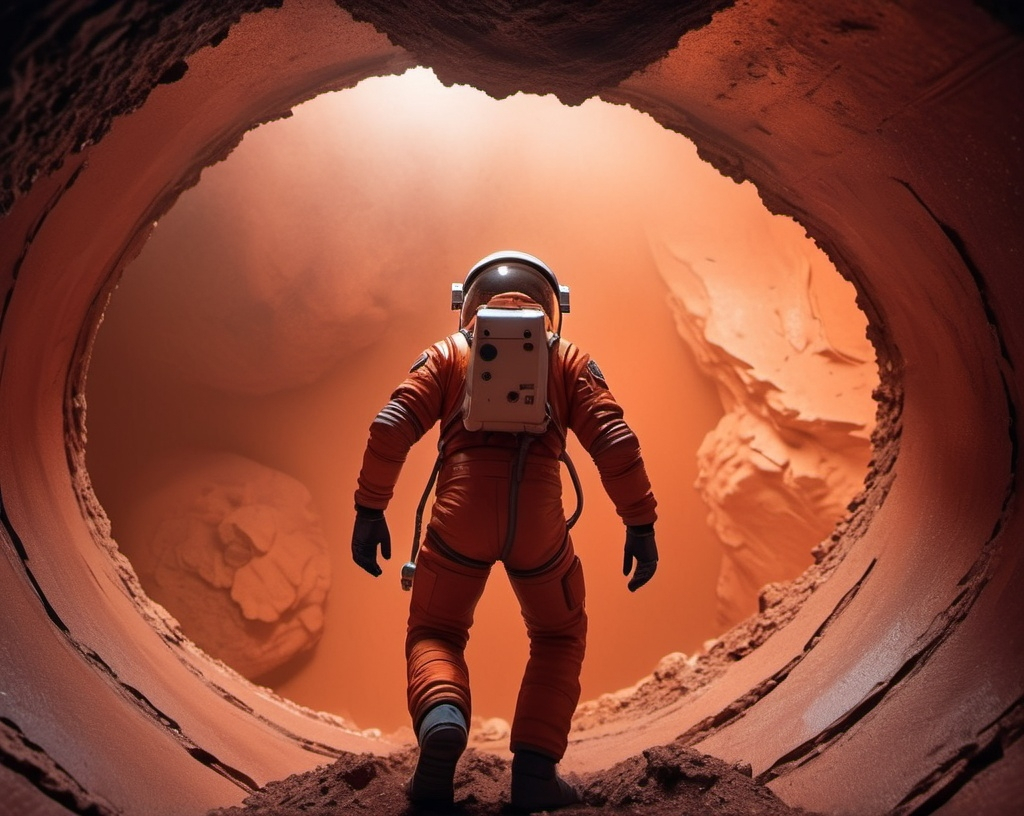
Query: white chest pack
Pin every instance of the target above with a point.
(507, 378)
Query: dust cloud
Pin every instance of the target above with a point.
(282, 298)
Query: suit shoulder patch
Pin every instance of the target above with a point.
(595, 369)
(420, 362)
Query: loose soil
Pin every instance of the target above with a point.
(661, 781)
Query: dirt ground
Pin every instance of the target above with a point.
(661, 781)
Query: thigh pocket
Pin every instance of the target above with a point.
(446, 592)
(573, 586)
(423, 586)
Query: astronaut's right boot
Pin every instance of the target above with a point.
(442, 737)
(536, 784)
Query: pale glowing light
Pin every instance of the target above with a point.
(282, 299)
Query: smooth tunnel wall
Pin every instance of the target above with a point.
(887, 679)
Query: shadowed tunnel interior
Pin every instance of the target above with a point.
(887, 678)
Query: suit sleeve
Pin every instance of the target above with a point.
(597, 420)
(413, 409)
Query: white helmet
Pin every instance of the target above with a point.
(510, 271)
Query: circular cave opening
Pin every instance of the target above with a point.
(275, 306)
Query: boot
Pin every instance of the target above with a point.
(442, 737)
(536, 784)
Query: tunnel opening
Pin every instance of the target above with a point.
(907, 647)
(250, 342)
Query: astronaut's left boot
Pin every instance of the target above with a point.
(536, 784)
(442, 737)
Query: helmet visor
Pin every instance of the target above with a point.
(510, 277)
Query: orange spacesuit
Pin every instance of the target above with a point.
(498, 497)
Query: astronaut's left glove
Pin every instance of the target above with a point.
(640, 546)
(371, 529)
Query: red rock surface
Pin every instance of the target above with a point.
(890, 132)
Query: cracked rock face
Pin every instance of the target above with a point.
(235, 552)
(788, 350)
(586, 45)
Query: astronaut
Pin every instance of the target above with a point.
(498, 497)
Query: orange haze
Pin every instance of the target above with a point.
(280, 301)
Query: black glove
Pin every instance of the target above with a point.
(370, 530)
(640, 545)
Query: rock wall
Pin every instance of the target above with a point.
(906, 644)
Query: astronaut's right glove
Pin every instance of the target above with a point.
(370, 529)
(640, 545)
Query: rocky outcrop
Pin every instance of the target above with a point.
(782, 338)
(234, 551)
